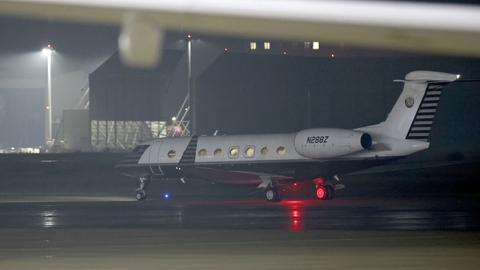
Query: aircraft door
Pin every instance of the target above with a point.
(155, 158)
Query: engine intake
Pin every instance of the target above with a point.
(366, 141)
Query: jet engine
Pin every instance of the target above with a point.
(328, 142)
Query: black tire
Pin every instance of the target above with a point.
(318, 190)
(272, 195)
(330, 193)
(141, 195)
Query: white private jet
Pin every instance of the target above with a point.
(273, 160)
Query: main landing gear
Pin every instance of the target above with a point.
(324, 192)
(141, 192)
(272, 194)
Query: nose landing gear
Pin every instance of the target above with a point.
(141, 195)
(141, 192)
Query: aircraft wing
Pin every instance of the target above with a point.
(428, 27)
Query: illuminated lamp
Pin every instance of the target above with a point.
(177, 130)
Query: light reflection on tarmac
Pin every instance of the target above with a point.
(26, 198)
(112, 232)
(342, 213)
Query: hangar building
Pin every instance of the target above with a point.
(245, 86)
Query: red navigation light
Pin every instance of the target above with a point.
(226, 49)
(295, 184)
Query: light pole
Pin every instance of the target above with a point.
(192, 95)
(47, 51)
(189, 47)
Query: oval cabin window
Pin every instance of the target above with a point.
(281, 150)
(233, 153)
(217, 152)
(249, 151)
(202, 152)
(264, 151)
(171, 153)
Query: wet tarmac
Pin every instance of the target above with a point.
(235, 249)
(63, 216)
(103, 211)
(116, 232)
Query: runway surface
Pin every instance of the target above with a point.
(238, 249)
(83, 211)
(78, 214)
(116, 232)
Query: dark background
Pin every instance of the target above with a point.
(238, 91)
(244, 92)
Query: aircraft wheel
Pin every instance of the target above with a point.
(330, 193)
(272, 195)
(325, 192)
(141, 195)
(321, 192)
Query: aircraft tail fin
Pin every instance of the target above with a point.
(413, 114)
